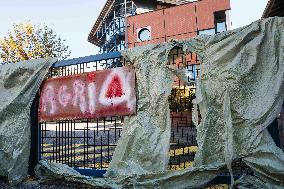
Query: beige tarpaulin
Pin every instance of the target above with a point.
(144, 145)
(239, 93)
(47, 171)
(19, 84)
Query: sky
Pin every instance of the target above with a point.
(73, 19)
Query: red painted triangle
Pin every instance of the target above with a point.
(115, 88)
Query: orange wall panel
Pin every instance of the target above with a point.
(179, 22)
(182, 36)
(154, 41)
(180, 19)
(205, 12)
(153, 19)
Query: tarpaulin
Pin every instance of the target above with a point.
(57, 171)
(144, 145)
(19, 84)
(239, 92)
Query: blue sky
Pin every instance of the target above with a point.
(73, 19)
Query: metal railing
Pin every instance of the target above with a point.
(112, 30)
(88, 144)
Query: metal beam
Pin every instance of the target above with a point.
(86, 59)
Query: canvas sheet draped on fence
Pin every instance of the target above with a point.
(19, 84)
(239, 93)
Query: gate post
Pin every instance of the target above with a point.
(34, 150)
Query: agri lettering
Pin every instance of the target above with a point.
(85, 94)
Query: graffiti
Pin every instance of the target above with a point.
(116, 90)
(89, 95)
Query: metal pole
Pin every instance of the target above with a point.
(125, 22)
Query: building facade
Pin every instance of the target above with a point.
(125, 24)
(178, 22)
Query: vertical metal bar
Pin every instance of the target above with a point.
(115, 130)
(40, 141)
(77, 69)
(96, 65)
(87, 142)
(68, 143)
(94, 159)
(101, 162)
(108, 158)
(74, 143)
(97, 126)
(84, 147)
(71, 143)
(62, 142)
(44, 133)
(104, 124)
(65, 143)
(62, 70)
(53, 151)
(125, 21)
(132, 8)
(178, 145)
(56, 139)
(59, 138)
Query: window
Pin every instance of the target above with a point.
(220, 21)
(207, 32)
(144, 34)
(221, 27)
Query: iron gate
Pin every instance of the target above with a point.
(88, 144)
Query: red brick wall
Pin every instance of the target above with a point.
(205, 12)
(154, 19)
(177, 22)
(181, 119)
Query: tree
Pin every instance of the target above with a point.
(180, 99)
(27, 41)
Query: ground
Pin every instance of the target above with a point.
(32, 183)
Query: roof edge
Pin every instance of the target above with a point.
(99, 21)
(267, 9)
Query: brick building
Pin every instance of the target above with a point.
(125, 24)
(178, 22)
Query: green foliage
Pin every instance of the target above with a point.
(180, 100)
(27, 41)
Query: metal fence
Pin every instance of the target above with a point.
(88, 144)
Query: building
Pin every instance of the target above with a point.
(125, 24)
(178, 22)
